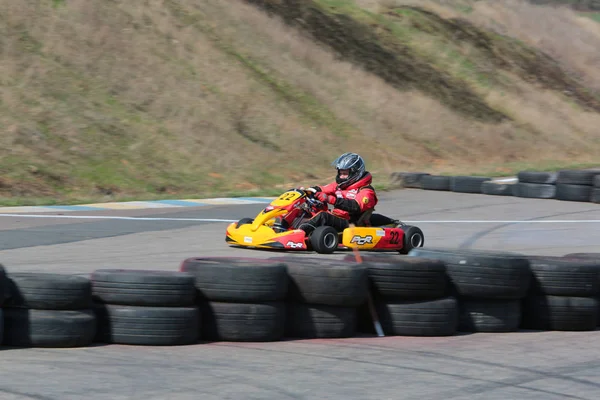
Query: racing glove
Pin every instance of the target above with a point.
(325, 198)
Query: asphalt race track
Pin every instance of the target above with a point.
(519, 365)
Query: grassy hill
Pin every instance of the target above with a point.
(105, 100)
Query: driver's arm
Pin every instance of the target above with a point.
(365, 199)
(349, 205)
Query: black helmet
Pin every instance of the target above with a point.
(352, 162)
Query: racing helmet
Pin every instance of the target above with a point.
(354, 164)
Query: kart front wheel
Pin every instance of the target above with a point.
(324, 240)
(413, 238)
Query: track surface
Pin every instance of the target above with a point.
(523, 365)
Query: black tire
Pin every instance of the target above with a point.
(548, 178)
(1, 325)
(585, 256)
(467, 184)
(413, 238)
(560, 276)
(584, 177)
(497, 189)
(595, 196)
(408, 179)
(310, 321)
(560, 313)
(419, 318)
(573, 192)
(244, 221)
(241, 322)
(435, 182)
(49, 328)
(408, 278)
(48, 291)
(375, 257)
(324, 239)
(489, 315)
(152, 326)
(238, 279)
(144, 288)
(326, 282)
(4, 286)
(534, 190)
(482, 274)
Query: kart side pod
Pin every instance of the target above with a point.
(399, 239)
(366, 238)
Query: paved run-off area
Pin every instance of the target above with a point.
(519, 365)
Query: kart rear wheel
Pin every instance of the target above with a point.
(324, 239)
(244, 221)
(413, 238)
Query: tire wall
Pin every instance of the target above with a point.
(430, 292)
(564, 185)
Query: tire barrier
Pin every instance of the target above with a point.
(323, 301)
(487, 285)
(430, 292)
(48, 310)
(145, 307)
(240, 299)
(411, 297)
(497, 188)
(586, 256)
(407, 179)
(596, 190)
(542, 293)
(566, 185)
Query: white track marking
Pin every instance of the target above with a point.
(549, 221)
(116, 217)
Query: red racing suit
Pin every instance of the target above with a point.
(353, 200)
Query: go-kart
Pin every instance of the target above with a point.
(276, 227)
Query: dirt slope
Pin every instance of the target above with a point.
(114, 99)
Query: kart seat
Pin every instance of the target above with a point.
(364, 219)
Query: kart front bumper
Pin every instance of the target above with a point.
(266, 238)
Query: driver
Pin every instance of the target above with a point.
(351, 195)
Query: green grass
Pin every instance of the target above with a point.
(381, 183)
(593, 15)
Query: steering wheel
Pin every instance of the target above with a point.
(315, 203)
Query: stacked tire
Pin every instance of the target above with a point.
(138, 307)
(407, 179)
(498, 188)
(564, 294)
(576, 185)
(468, 184)
(47, 310)
(435, 182)
(323, 297)
(410, 297)
(241, 299)
(489, 286)
(596, 190)
(587, 256)
(535, 185)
